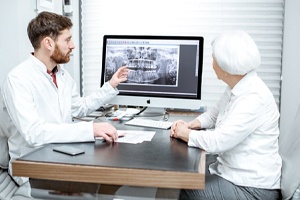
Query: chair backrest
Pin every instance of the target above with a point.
(289, 149)
(4, 158)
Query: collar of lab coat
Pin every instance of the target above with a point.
(42, 67)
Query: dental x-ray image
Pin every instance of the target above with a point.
(157, 65)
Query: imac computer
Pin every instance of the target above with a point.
(164, 71)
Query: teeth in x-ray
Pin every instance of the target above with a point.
(142, 71)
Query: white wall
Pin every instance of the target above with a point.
(14, 43)
(290, 91)
(15, 46)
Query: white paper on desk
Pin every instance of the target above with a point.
(134, 137)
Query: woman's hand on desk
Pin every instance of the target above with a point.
(106, 131)
(180, 129)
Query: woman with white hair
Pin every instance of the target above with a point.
(242, 130)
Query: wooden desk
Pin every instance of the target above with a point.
(164, 162)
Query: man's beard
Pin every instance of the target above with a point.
(59, 57)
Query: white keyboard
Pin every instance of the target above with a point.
(149, 123)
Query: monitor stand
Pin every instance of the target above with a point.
(152, 112)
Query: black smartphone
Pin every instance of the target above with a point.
(68, 150)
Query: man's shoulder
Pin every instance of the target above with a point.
(22, 69)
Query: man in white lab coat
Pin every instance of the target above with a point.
(41, 97)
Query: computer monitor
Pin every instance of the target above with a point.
(164, 71)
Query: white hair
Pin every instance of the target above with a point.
(236, 52)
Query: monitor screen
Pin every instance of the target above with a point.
(164, 71)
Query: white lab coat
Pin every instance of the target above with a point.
(42, 113)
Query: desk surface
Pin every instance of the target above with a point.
(163, 162)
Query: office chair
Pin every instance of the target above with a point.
(289, 149)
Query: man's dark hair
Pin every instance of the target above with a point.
(46, 24)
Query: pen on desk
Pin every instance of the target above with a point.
(102, 139)
(113, 118)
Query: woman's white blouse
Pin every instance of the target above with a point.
(243, 130)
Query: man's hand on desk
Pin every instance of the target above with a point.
(106, 131)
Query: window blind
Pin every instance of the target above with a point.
(262, 19)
